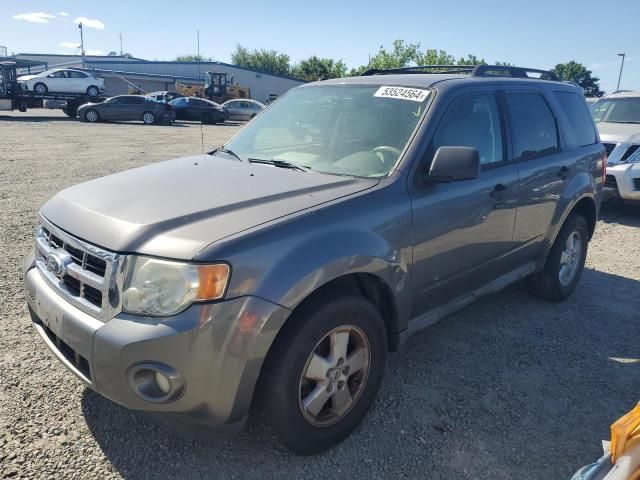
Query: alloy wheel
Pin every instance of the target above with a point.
(148, 118)
(334, 375)
(570, 258)
(92, 116)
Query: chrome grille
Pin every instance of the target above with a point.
(91, 278)
(608, 147)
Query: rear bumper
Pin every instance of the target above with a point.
(218, 349)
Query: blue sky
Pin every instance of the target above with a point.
(536, 33)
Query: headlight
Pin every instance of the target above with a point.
(634, 157)
(161, 287)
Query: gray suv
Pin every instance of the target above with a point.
(279, 270)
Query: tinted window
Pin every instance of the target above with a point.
(472, 121)
(577, 113)
(199, 103)
(72, 74)
(179, 102)
(132, 100)
(534, 126)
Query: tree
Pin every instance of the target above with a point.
(193, 58)
(407, 54)
(268, 61)
(316, 68)
(578, 73)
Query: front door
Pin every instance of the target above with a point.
(464, 229)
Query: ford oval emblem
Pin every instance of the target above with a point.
(55, 264)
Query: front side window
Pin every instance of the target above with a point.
(534, 129)
(339, 129)
(618, 110)
(472, 121)
(577, 112)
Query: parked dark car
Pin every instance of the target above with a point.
(127, 107)
(279, 270)
(198, 109)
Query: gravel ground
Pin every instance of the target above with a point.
(511, 387)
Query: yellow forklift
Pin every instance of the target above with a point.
(216, 88)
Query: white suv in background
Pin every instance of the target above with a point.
(66, 80)
(618, 119)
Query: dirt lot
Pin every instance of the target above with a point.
(511, 387)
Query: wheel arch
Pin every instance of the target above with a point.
(368, 285)
(585, 206)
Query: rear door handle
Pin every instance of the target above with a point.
(564, 172)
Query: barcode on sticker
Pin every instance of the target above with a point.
(403, 93)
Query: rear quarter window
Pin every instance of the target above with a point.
(577, 112)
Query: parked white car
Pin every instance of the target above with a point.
(242, 109)
(618, 119)
(60, 80)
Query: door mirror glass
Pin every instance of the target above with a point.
(451, 164)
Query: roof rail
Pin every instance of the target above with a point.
(509, 71)
(420, 69)
(473, 71)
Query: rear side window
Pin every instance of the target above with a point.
(577, 113)
(533, 125)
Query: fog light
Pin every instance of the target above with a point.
(155, 382)
(163, 382)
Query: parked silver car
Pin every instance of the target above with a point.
(244, 109)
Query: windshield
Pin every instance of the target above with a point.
(619, 110)
(339, 129)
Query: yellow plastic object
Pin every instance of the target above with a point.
(623, 430)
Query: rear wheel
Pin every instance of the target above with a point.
(91, 116)
(148, 118)
(565, 262)
(93, 91)
(40, 88)
(323, 372)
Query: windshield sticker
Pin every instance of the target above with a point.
(403, 93)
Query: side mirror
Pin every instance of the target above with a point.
(454, 163)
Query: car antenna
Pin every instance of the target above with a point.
(198, 60)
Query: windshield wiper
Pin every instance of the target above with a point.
(228, 152)
(280, 164)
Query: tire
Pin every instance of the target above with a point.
(93, 91)
(40, 88)
(563, 267)
(91, 116)
(148, 118)
(22, 107)
(284, 389)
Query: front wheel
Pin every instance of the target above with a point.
(323, 372)
(148, 118)
(565, 262)
(40, 88)
(91, 116)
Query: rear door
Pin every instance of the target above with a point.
(544, 161)
(463, 230)
(77, 81)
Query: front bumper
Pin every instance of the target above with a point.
(627, 181)
(218, 348)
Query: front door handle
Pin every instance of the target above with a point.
(498, 192)
(564, 172)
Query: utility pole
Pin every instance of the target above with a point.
(81, 43)
(120, 44)
(621, 67)
(198, 48)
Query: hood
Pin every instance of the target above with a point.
(619, 132)
(24, 78)
(176, 208)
